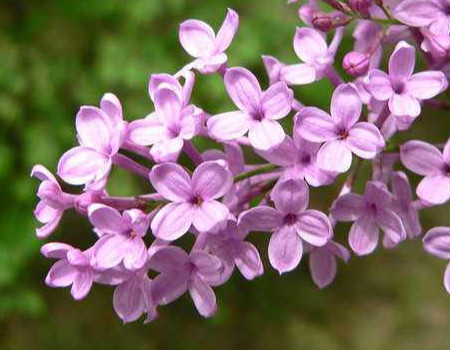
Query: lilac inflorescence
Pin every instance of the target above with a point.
(218, 198)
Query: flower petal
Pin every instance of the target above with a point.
(404, 105)
(447, 279)
(402, 62)
(209, 215)
(106, 219)
(227, 31)
(61, 274)
(392, 226)
(364, 139)
(290, 196)
(110, 250)
(260, 219)
(348, 207)
(147, 131)
(421, 158)
(315, 125)
(169, 287)
(285, 249)
(346, 105)
(363, 236)
(309, 45)
(168, 259)
(416, 13)
(169, 104)
(128, 300)
(323, 267)
(136, 254)
(266, 134)
(277, 101)
(334, 156)
(211, 180)
(426, 85)
(171, 181)
(243, 88)
(229, 126)
(437, 242)
(203, 297)
(172, 221)
(314, 227)
(111, 105)
(93, 128)
(82, 285)
(197, 38)
(298, 74)
(248, 261)
(380, 86)
(434, 189)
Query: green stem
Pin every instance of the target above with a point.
(263, 170)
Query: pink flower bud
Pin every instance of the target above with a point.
(322, 21)
(356, 63)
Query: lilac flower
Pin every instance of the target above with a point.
(426, 160)
(73, 268)
(341, 132)
(291, 223)
(437, 242)
(258, 111)
(370, 212)
(53, 201)
(100, 134)
(180, 272)
(230, 246)
(298, 157)
(323, 264)
(173, 121)
(121, 237)
(199, 41)
(273, 68)
(133, 297)
(193, 201)
(403, 89)
(403, 204)
(423, 13)
(311, 48)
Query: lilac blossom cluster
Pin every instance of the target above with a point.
(218, 198)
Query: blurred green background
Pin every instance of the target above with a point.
(58, 55)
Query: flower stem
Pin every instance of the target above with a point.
(262, 170)
(129, 164)
(192, 152)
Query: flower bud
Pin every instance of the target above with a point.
(356, 63)
(322, 21)
(84, 200)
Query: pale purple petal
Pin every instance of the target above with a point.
(55, 250)
(42, 173)
(107, 219)
(364, 139)
(434, 189)
(277, 101)
(421, 158)
(346, 105)
(315, 125)
(401, 188)
(391, 224)
(203, 297)
(285, 249)
(298, 74)
(338, 250)
(169, 287)
(426, 85)
(110, 250)
(93, 128)
(169, 104)
(82, 284)
(243, 88)
(309, 45)
(81, 165)
(208, 215)
(168, 259)
(227, 31)
(211, 180)
(404, 105)
(380, 86)
(323, 267)
(136, 254)
(128, 301)
(230, 125)
(402, 62)
(248, 261)
(163, 80)
(167, 150)
(416, 13)
(260, 219)
(48, 228)
(172, 221)
(172, 182)
(147, 131)
(334, 156)
(290, 196)
(363, 236)
(447, 279)
(266, 134)
(285, 154)
(197, 38)
(111, 105)
(437, 242)
(61, 274)
(314, 227)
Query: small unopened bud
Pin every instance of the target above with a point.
(84, 200)
(361, 6)
(356, 63)
(322, 21)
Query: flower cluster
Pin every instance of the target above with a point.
(218, 198)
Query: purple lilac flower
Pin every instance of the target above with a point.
(273, 68)
(298, 157)
(173, 122)
(180, 272)
(423, 13)
(230, 246)
(437, 242)
(100, 135)
(290, 223)
(121, 237)
(258, 111)
(403, 89)
(193, 201)
(73, 268)
(426, 160)
(311, 47)
(53, 201)
(200, 41)
(323, 263)
(370, 213)
(403, 204)
(341, 132)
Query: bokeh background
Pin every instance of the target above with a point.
(58, 55)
